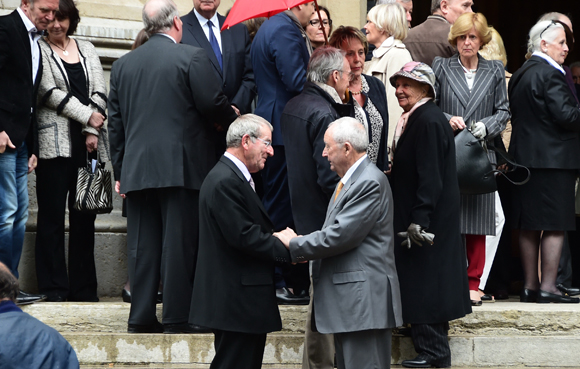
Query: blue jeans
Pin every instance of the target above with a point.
(13, 205)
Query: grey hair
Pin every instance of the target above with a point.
(543, 30)
(348, 129)
(381, 2)
(552, 16)
(158, 16)
(323, 62)
(249, 124)
(576, 64)
(435, 5)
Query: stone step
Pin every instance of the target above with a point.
(496, 334)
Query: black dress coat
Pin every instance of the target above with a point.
(234, 280)
(545, 117)
(304, 122)
(17, 91)
(433, 278)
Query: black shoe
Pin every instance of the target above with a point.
(285, 297)
(528, 295)
(418, 362)
(28, 298)
(501, 295)
(570, 291)
(403, 331)
(126, 295)
(487, 298)
(476, 303)
(547, 297)
(145, 328)
(54, 298)
(184, 328)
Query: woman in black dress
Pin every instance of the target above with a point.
(545, 121)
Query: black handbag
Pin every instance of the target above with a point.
(474, 171)
(94, 189)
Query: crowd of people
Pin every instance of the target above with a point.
(283, 168)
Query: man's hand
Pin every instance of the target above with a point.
(5, 141)
(416, 235)
(118, 189)
(285, 236)
(91, 141)
(236, 110)
(32, 163)
(96, 120)
(457, 123)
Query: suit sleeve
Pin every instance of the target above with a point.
(245, 95)
(116, 127)
(289, 63)
(560, 102)
(238, 226)
(207, 93)
(439, 72)
(4, 50)
(495, 123)
(353, 222)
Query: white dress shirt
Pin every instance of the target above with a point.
(205, 27)
(33, 38)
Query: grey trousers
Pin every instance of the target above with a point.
(369, 349)
(318, 348)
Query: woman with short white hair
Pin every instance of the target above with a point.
(386, 28)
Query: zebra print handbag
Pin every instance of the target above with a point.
(94, 189)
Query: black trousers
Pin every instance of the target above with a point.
(162, 242)
(55, 179)
(238, 350)
(431, 343)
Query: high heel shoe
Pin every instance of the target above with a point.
(547, 297)
(528, 295)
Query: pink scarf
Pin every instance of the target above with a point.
(402, 123)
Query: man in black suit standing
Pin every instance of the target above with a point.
(228, 51)
(164, 105)
(234, 280)
(20, 70)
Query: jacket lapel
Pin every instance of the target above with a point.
(226, 36)
(456, 78)
(347, 186)
(483, 79)
(197, 32)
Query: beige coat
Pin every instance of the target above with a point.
(390, 60)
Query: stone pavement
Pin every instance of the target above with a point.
(496, 335)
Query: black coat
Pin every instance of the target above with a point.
(304, 122)
(433, 278)
(545, 117)
(164, 103)
(234, 280)
(17, 92)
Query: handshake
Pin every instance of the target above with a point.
(285, 236)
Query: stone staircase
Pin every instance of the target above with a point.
(496, 334)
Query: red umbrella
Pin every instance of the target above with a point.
(248, 9)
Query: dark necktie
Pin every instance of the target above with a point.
(214, 44)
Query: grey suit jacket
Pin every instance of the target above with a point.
(354, 274)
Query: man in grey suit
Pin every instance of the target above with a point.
(356, 288)
(164, 105)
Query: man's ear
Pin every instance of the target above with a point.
(444, 6)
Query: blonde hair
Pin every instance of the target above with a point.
(390, 18)
(465, 23)
(494, 49)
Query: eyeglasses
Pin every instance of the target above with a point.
(316, 22)
(266, 143)
(552, 23)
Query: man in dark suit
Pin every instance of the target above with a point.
(280, 54)
(234, 280)
(229, 53)
(21, 69)
(164, 103)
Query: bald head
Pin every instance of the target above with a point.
(162, 16)
(8, 284)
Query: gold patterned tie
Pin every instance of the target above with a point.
(338, 189)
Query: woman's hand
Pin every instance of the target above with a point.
(91, 141)
(478, 130)
(96, 120)
(457, 123)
